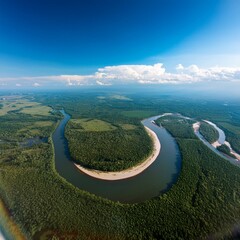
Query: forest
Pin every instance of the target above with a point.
(233, 138)
(225, 149)
(172, 123)
(108, 150)
(208, 132)
(204, 202)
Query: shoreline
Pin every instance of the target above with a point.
(130, 172)
(216, 144)
(232, 151)
(196, 127)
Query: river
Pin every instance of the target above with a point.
(222, 137)
(221, 140)
(156, 179)
(153, 181)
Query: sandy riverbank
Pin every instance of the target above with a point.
(196, 126)
(131, 171)
(237, 156)
(216, 144)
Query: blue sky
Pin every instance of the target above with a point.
(70, 40)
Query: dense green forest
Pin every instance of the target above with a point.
(208, 132)
(234, 140)
(172, 124)
(231, 126)
(225, 149)
(232, 135)
(204, 203)
(108, 149)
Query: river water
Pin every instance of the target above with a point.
(221, 137)
(153, 181)
(156, 179)
(221, 140)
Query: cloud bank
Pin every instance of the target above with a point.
(136, 74)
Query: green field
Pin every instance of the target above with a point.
(24, 106)
(15, 104)
(94, 125)
(37, 110)
(26, 120)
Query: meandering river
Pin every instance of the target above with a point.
(153, 181)
(156, 179)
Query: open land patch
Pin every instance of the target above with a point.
(95, 125)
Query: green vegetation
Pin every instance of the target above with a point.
(208, 132)
(96, 144)
(232, 131)
(37, 110)
(234, 139)
(230, 127)
(101, 137)
(138, 114)
(37, 128)
(17, 104)
(225, 149)
(16, 127)
(94, 125)
(205, 201)
(128, 126)
(172, 123)
(120, 97)
(115, 96)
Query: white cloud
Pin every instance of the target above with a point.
(103, 84)
(18, 85)
(212, 74)
(73, 80)
(36, 84)
(141, 74)
(179, 67)
(131, 72)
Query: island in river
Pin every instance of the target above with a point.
(131, 172)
